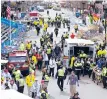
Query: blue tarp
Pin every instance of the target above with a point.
(19, 29)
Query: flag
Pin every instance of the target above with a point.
(8, 12)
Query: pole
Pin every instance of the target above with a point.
(105, 31)
(10, 34)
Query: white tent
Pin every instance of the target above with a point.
(12, 94)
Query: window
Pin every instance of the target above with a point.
(17, 59)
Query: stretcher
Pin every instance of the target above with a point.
(97, 75)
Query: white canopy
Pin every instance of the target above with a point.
(12, 94)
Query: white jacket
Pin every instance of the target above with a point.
(13, 87)
(52, 63)
(36, 87)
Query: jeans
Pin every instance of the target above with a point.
(51, 72)
(46, 64)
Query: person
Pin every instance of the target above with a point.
(56, 31)
(28, 47)
(2, 83)
(52, 65)
(6, 74)
(21, 83)
(39, 58)
(38, 29)
(6, 86)
(76, 28)
(34, 48)
(51, 37)
(71, 64)
(92, 64)
(104, 76)
(72, 80)
(22, 47)
(46, 60)
(47, 12)
(49, 52)
(35, 89)
(68, 26)
(13, 85)
(63, 21)
(78, 67)
(34, 59)
(30, 79)
(75, 96)
(60, 80)
(57, 51)
(7, 81)
(17, 75)
(44, 94)
(83, 55)
(41, 40)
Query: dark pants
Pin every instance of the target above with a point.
(46, 64)
(39, 64)
(68, 28)
(49, 56)
(76, 30)
(60, 83)
(56, 33)
(21, 89)
(51, 72)
(89, 73)
(28, 50)
(41, 42)
(78, 72)
(104, 81)
(37, 32)
(93, 76)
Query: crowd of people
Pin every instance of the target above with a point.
(47, 58)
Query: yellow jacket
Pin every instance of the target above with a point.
(72, 60)
(28, 45)
(40, 22)
(99, 52)
(34, 59)
(22, 47)
(104, 52)
(45, 25)
(30, 80)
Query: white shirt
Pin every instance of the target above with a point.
(13, 87)
(52, 63)
(45, 57)
(6, 75)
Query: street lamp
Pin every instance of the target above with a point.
(105, 17)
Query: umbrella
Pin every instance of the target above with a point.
(13, 94)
